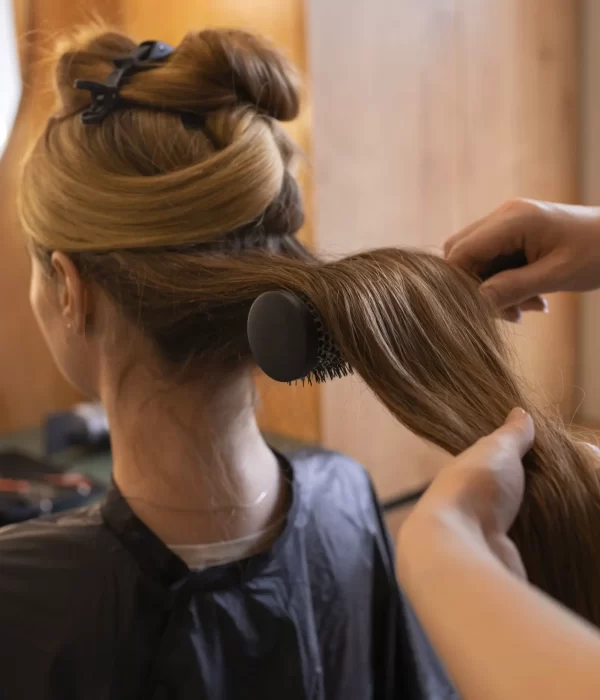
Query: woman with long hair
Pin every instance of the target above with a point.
(157, 204)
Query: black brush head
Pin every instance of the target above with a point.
(289, 341)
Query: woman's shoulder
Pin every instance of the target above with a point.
(57, 600)
(320, 458)
(315, 466)
(335, 482)
(73, 526)
(53, 555)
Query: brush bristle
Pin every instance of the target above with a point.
(330, 362)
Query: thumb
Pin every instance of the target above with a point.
(518, 431)
(504, 470)
(512, 287)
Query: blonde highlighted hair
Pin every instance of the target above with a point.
(185, 220)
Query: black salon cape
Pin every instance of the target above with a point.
(93, 606)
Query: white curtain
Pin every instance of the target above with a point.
(11, 74)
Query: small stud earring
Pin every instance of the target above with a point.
(69, 326)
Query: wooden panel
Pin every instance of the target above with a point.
(588, 376)
(546, 166)
(425, 116)
(30, 386)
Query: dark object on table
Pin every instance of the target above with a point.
(408, 498)
(30, 488)
(84, 426)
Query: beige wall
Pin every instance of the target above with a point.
(30, 384)
(588, 379)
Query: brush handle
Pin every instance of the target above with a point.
(511, 261)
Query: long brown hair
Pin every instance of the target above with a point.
(185, 220)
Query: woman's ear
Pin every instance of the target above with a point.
(74, 297)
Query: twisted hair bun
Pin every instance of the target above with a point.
(147, 176)
(235, 67)
(209, 70)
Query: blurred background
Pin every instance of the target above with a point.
(420, 116)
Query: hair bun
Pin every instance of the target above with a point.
(234, 67)
(85, 54)
(210, 70)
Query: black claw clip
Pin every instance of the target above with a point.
(105, 96)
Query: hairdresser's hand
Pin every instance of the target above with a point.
(498, 637)
(474, 500)
(561, 242)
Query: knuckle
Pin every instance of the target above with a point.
(460, 252)
(520, 208)
(513, 314)
(454, 249)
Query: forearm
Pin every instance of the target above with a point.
(499, 638)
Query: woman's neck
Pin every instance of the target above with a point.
(191, 462)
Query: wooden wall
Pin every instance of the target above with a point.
(426, 115)
(30, 385)
(588, 375)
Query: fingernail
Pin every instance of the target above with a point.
(546, 308)
(516, 414)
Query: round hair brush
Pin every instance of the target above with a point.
(290, 342)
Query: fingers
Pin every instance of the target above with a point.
(516, 226)
(514, 287)
(496, 492)
(451, 242)
(477, 496)
(514, 314)
(517, 433)
(495, 458)
(501, 232)
(474, 249)
(536, 303)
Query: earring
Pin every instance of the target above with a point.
(69, 326)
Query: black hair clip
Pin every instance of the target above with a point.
(105, 96)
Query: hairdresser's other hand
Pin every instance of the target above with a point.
(561, 242)
(474, 499)
(497, 637)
